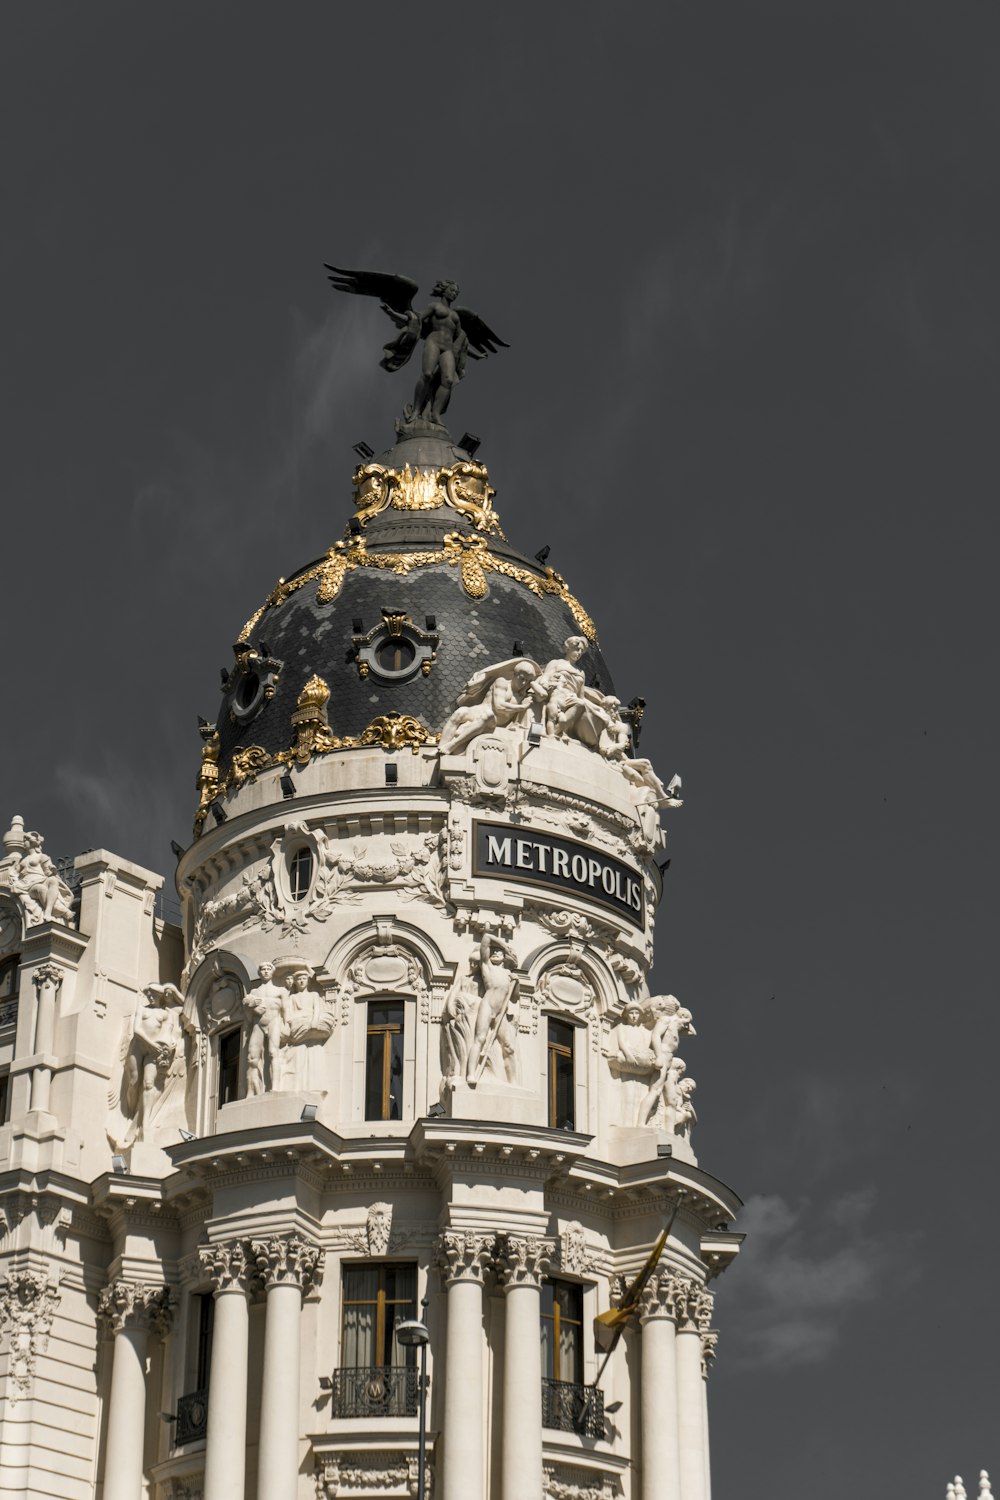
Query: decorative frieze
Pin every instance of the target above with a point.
(522, 1260)
(288, 1259)
(572, 1482)
(28, 1304)
(345, 1474)
(463, 1255)
(129, 1304)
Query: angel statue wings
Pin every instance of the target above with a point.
(451, 335)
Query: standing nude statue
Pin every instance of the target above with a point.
(266, 1003)
(494, 1018)
(451, 335)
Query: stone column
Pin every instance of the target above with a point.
(709, 1340)
(660, 1442)
(520, 1265)
(461, 1258)
(288, 1267)
(232, 1271)
(133, 1312)
(47, 980)
(694, 1315)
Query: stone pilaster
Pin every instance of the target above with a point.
(47, 979)
(462, 1257)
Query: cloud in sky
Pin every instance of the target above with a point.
(803, 1273)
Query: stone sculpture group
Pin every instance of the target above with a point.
(643, 1048)
(29, 875)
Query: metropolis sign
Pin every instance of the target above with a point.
(503, 852)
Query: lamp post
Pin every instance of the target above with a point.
(413, 1334)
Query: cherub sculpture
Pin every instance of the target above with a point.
(451, 335)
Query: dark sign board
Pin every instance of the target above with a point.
(503, 852)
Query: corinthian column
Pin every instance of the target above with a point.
(661, 1474)
(232, 1271)
(288, 1267)
(133, 1312)
(709, 1340)
(520, 1265)
(47, 981)
(694, 1306)
(461, 1258)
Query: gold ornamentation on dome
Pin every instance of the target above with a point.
(397, 732)
(464, 486)
(208, 777)
(313, 699)
(471, 554)
(245, 764)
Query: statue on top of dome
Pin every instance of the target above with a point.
(451, 335)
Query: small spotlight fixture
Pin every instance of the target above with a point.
(663, 868)
(391, 773)
(535, 732)
(430, 622)
(354, 526)
(119, 1165)
(612, 1407)
(287, 785)
(325, 1383)
(436, 1112)
(309, 1112)
(168, 1416)
(665, 1150)
(264, 649)
(469, 443)
(224, 677)
(674, 785)
(358, 625)
(542, 555)
(186, 1135)
(364, 450)
(218, 811)
(518, 648)
(176, 849)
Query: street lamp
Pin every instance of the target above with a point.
(413, 1334)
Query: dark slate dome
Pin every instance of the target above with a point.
(399, 615)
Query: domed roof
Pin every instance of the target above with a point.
(423, 591)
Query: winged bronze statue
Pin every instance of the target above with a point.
(451, 335)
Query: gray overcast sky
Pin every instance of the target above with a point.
(746, 258)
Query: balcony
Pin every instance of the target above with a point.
(382, 1391)
(573, 1408)
(192, 1418)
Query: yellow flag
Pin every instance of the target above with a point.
(609, 1326)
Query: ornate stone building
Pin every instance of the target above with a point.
(399, 1054)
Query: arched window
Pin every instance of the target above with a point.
(300, 873)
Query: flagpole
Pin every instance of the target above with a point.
(666, 1235)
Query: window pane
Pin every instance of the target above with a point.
(396, 1076)
(374, 1062)
(300, 874)
(206, 1323)
(389, 1013)
(548, 1350)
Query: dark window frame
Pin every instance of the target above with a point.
(381, 1351)
(570, 1292)
(382, 1084)
(302, 859)
(561, 1064)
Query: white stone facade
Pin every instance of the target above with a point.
(402, 1049)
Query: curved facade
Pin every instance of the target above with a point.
(399, 1058)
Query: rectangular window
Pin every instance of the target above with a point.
(206, 1324)
(229, 1066)
(8, 978)
(562, 1331)
(376, 1298)
(562, 1102)
(384, 1061)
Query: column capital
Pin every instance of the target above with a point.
(709, 1341)
(231, 1266)
(521, 1260)
(463, 1255)
(50, 974)
(288, 1260)
(129, 1304)
(686, 1302)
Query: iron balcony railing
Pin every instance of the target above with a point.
(383, 1391)
(192, 1417)
(573, 1408)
